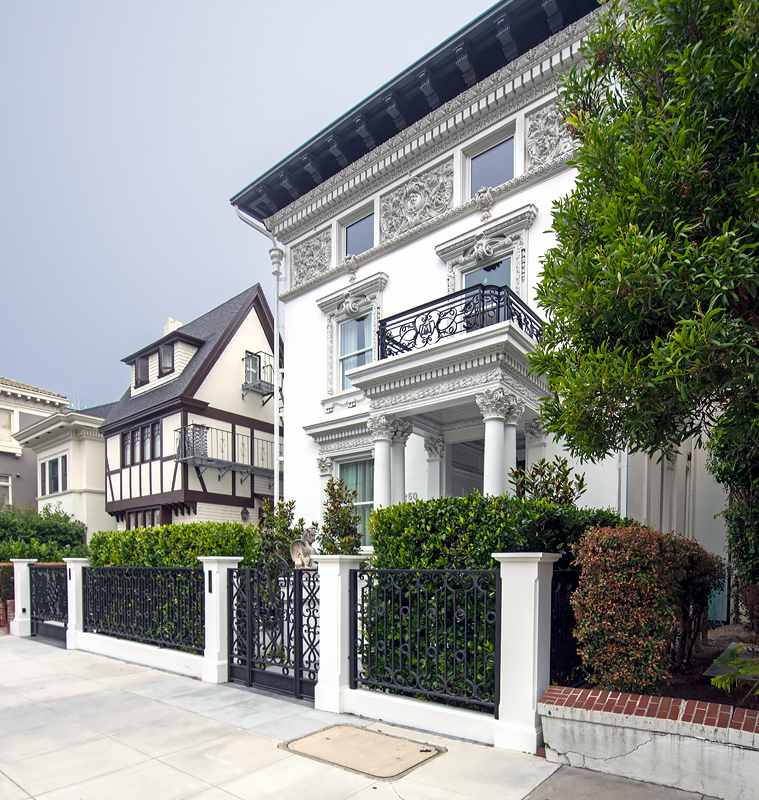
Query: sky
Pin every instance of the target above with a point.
(124, 130)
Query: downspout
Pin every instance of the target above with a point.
(277, 255)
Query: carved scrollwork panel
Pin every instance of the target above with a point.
(311, 258)
(418, 200)
(547, 138)
(435, 446)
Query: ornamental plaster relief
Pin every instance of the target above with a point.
(401, 431)
(435, 389)
(534, 433)
(348, 444)
(525, 79)
(546, 137)
(497, 403)
(324, 465)
(435, 447)
(311, 258)
(420, 199)
(382, 426)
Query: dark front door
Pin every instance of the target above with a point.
(49, 590)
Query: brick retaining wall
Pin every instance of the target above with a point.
(695, 746)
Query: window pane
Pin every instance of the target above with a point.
(126, 441)
(495, 275)
(157, 440)
(251, 368)
(5, 490)
(141, 371)
(64, 473)
(350, 362)
(359, 476)
(166, 357)
(146, 456)
(355, 335)
(43, 482)
(493, 167)
(137, 450)
(359, 237)
(5, 425)
(52, 475)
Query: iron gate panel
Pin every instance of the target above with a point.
(49, 600)
(274, 627)
(566, 664)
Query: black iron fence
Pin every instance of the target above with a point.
(49, 593)
(155, 605)
(427, 633)
(202, 445)
(274, 627)
(566, 664)
(461, 312)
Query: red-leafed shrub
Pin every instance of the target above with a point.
(640, 604)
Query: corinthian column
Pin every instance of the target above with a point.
(382, 429)
(500, 412)
(435, 447)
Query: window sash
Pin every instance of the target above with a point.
(43, 481)
(492, 168)
(358, 476)
(165, 359)
(64, 473)
(359, 236)
(141, 371)
(498, 274)
(52, 476)
(5, 490)
(6, 424)
(355, 345)
(126, 448)
(136, 447)
(252, 368)
(146, 444)
(156, 440)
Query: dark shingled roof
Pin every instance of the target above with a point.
(210, 328)
(102, 411)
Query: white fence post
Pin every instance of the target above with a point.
(216, 653)
(334, 629)
(75, 588)
(525, 647)
(22, 594)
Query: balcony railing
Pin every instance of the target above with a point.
(461, 312)
(200, 445)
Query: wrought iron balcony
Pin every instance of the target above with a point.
(466, 311)
(201, 446)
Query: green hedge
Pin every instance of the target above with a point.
(174, 545)
(42, 551)
(51, 525)
(463, 532)
(6, 582)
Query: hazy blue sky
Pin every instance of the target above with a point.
(125, 128)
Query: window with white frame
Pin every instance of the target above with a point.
(54, 475)
(358, 476)
(355, 346)
(252, 367)
(492, 167)
(165, 359)
(5, 490)
(498, 274)
(359, 236)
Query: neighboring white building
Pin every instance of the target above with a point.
(20, 406)
(71, 464)
(192, 437)
(414, 228)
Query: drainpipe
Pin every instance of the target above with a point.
(277, 255)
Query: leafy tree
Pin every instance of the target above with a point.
(548, 480)
(51, 525)
(340, 534)
(652, 292)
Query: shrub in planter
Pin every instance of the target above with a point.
(175, 545)
(640, 603)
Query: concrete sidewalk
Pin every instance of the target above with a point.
(75, 726)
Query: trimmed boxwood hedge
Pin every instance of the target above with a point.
(463, 532)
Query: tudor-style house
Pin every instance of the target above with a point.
(70, 454)
(192, 437)
(413, 229)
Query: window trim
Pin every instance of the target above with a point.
(133, 444)
(481, 146)
(355, 458)
(341, 357)
(9, 484)
(351, 219)
(162, 349)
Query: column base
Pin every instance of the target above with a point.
(327, 698)
(522, 738)
(21, 627)
(214, 671)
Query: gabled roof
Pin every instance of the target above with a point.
(25, 387)
(213, 331)
(495, 38)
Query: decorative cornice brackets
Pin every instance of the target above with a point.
(507, 89)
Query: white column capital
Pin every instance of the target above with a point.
(534, 433)
(324, 465)
(382, 426)
(401, 431)
(435, 446)
(498, 403)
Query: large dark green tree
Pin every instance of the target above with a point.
(652, 289)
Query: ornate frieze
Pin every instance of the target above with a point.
(499, 403)
(434, 389)
(324, 465)
(311, 258)
(418, 200)
(435, 446)
(547, 138)
(401, 431)
(381, 426)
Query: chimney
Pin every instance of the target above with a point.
(171, 325)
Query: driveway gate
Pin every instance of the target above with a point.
(49, 600)
(274, 627)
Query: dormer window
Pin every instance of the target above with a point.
(141, 371)
(165, 359)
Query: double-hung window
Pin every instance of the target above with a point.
(165, 359)
(355, 346)
(141, 371)
(359, 477)
(5, 490)
(52, 475)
